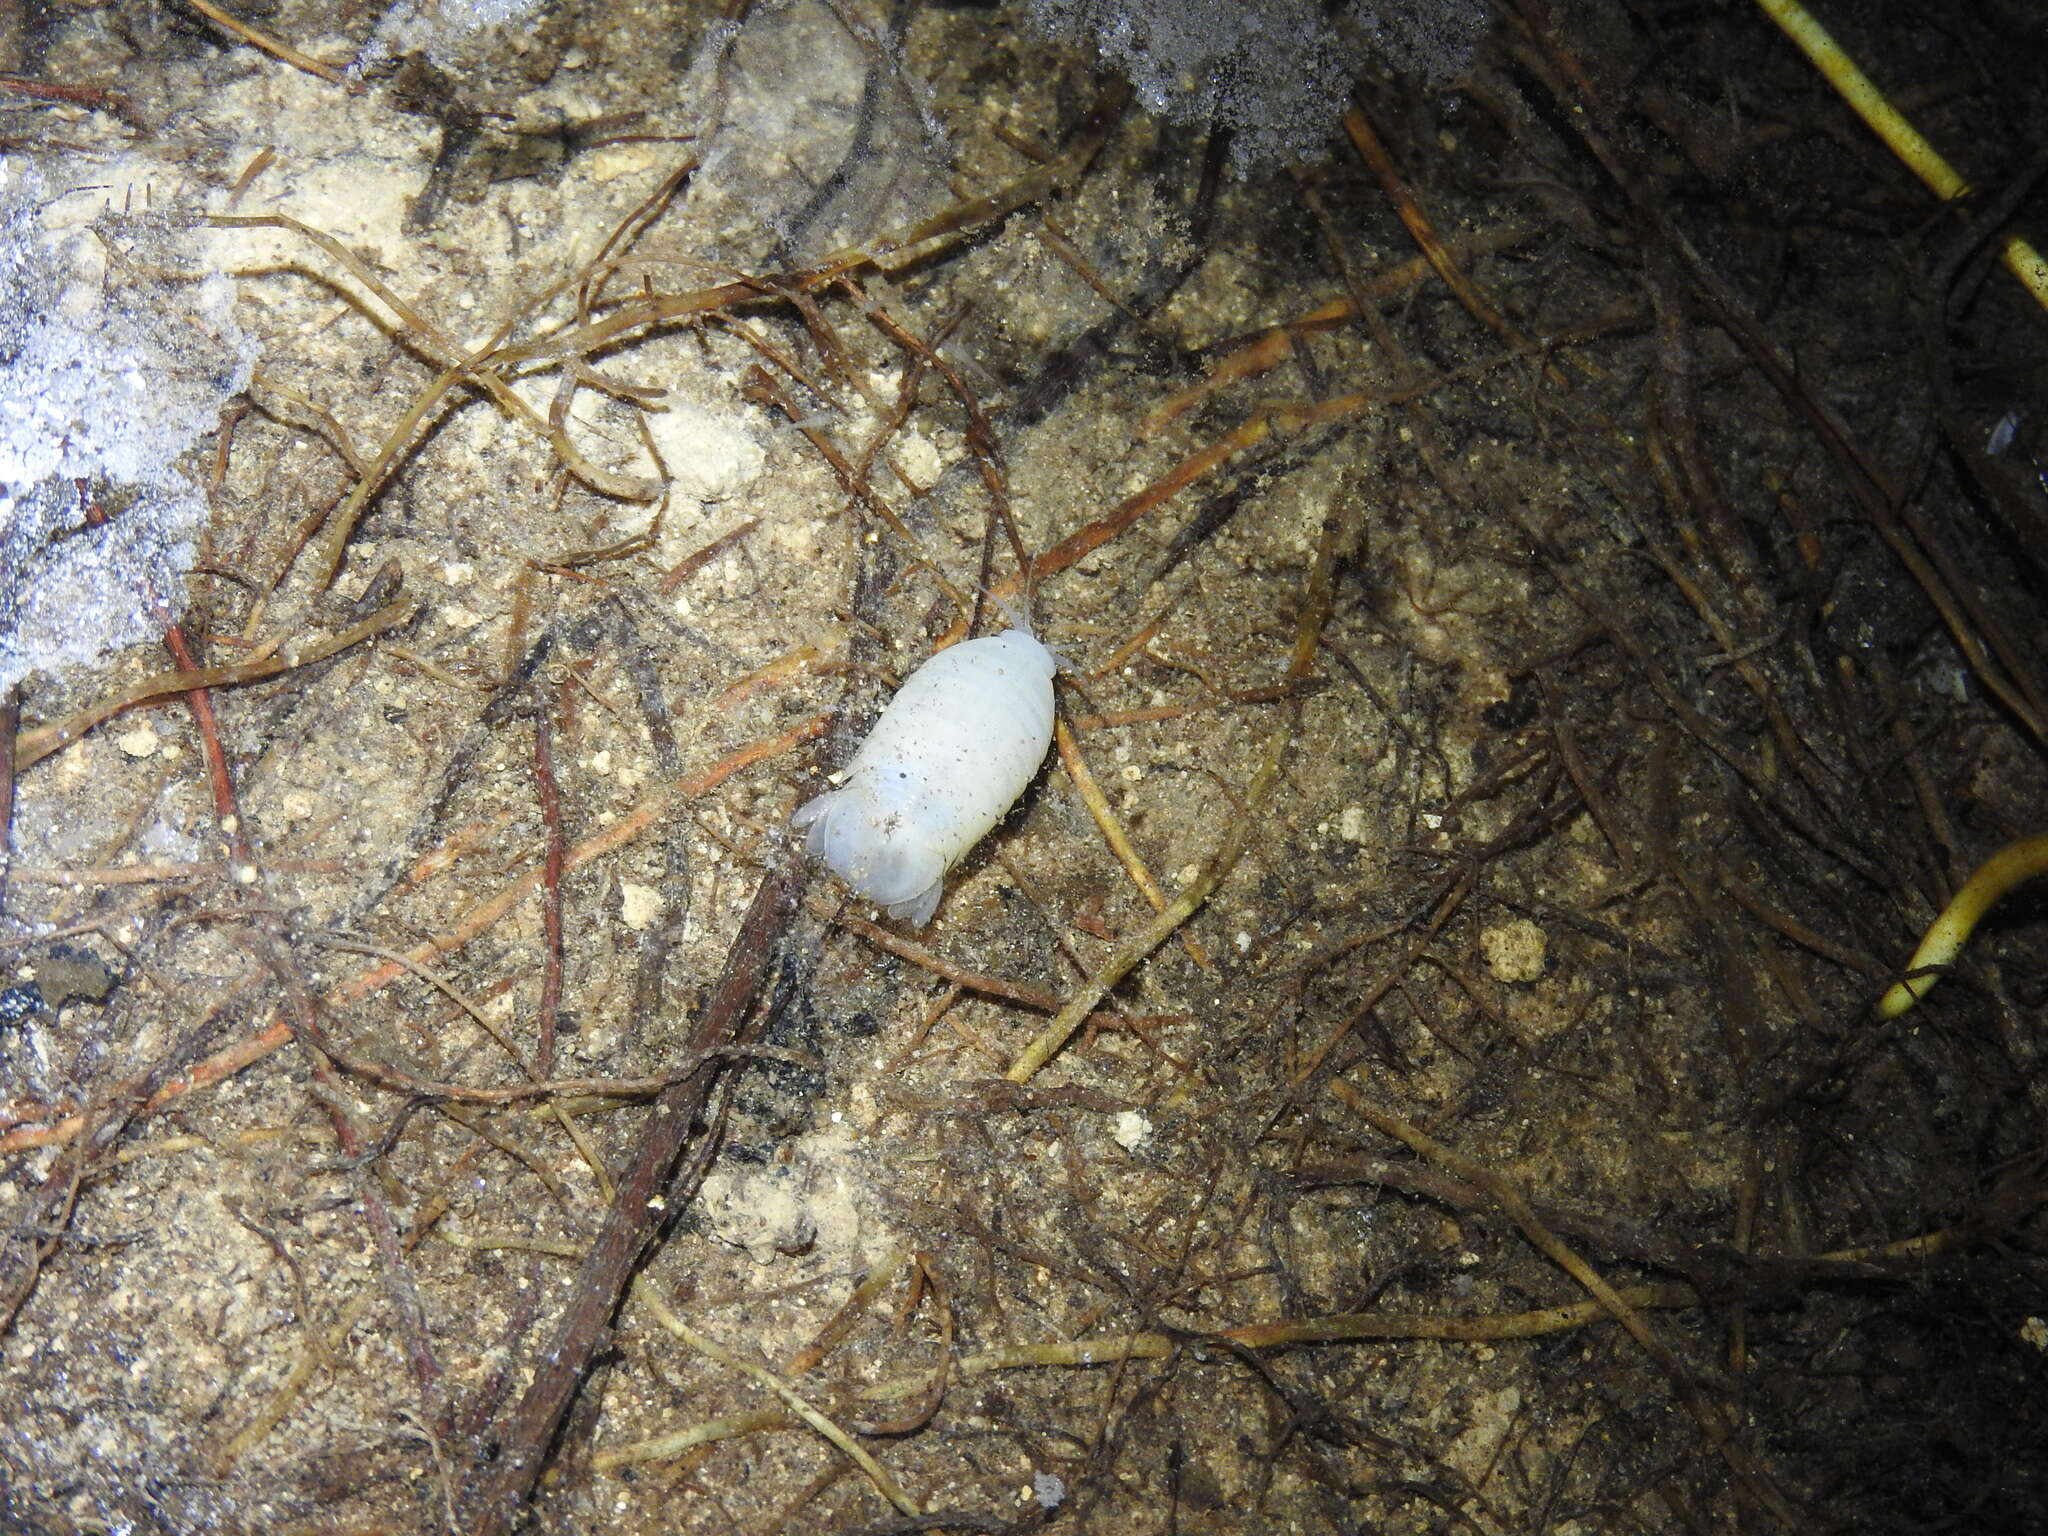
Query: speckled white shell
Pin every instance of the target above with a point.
(949, 757)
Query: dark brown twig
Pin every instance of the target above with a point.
(697, 559)
(226, 806)
(634, 1219)
(981, 435)
(41, 1222)
(98, 98)
(1422, 229)
(1604, 816)
(302, 1015)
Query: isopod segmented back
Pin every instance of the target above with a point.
(945, 762)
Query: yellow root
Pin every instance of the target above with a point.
(1889, 124)
(2010, 866)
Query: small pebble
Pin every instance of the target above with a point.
(639, 905)
(1049, 1489)
(142, 741)
(1514, 951)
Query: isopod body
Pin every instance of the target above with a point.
(950, 755)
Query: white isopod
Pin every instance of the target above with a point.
(949, 757)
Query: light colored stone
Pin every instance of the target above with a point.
(639, 905)
(142, 741)
(1514, 951)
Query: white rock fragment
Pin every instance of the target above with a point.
(640, 906)
(712, 456)
(1131, 1130)
(113, 363)
(1514, 951)
(765, 1210)
(919, 457)
(142, 741)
